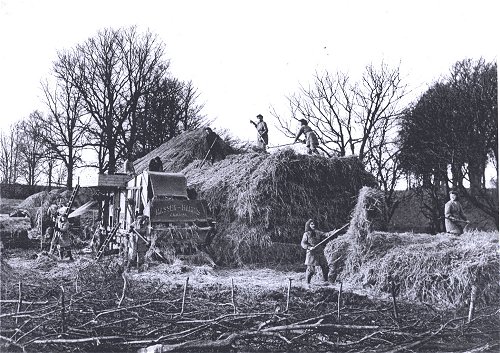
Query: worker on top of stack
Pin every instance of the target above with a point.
(455, 220)
(212, 146)
(156, 165)
(311, 142)
(262, 133)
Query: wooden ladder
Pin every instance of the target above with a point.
(72, 199)
(106, 241)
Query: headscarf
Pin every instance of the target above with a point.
(307, 227)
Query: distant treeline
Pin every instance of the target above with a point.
(20, 191)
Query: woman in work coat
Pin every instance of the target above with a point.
(314, 254)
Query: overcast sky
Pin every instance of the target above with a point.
(245, 56)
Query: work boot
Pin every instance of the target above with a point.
(309, 276)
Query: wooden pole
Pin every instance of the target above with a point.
(184, 295)
(472, 305)
(288, 294)
(41, 226)
(20, 298)
(232, 296)
(63, 311)
(394, 304)
(338, 302)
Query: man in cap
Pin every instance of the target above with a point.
(454, 217)
(312, 142)
(262, 132)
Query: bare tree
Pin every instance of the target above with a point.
(32, 149)
(358, 118)
(10, 155)
(169, 109)
(328, 105)
(113, 71)
(64, 130)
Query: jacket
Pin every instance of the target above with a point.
(262, 132)
(453, 214)
(311, 138)
(310, 238)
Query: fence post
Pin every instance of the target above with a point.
(184, 295)
(232, 296)
(288, 294)
(472, 305)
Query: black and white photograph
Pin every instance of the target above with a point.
(249, 176)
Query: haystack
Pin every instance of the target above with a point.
(439, 270)
(181, 150)
(259, 199)
(38, 204)
(370, 213)
(5, 269)
(14, 231)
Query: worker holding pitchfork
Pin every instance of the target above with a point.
(262, 132)
(314, 255)
(454, 217)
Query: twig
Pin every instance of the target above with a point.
(184, 295)
(222, 317)
(11, 342)
(20, 298)
(338, 302)
(116, 322)
(106, 312)
(124, 288)
(197, 345)
(424, 339)
(320, 325)
(33, 329)
(77, 340)
(24, 302)
(288, 294)
(27, 313)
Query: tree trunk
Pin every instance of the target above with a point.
(69, 180)
(457, 176)
(475, 173)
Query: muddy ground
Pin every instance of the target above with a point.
(88, 306)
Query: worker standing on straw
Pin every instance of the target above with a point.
(312, 142)
(454, 217)
(62, 238)
(314, 254)
(65, 240)
(211, 146)
(49, 232)
(262, 132)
